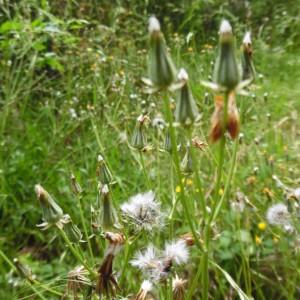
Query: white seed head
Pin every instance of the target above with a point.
(147, 286)
(247, 38)
(278, 214)
(153, 24)
(143, 211)
(182, 75)
(177, 252)
(225, 27)
(146, 259)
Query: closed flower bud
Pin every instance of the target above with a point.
(103, 172)
(106, 212)
(248, 71)
(226, 68)
(72, 231)
(187, 162)
(186, 109)
(52, 213)
(139, 140)
(162, 71)
(75, 185)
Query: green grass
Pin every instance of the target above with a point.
(96, 71)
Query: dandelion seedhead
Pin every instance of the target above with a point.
(52, 212)
(278, 214)
(78, 281)
(156, 264)
(143, 211)
(146, 287)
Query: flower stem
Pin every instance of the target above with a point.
(205, 275)
(76, 254)
(182, 196)
(144, 169)
(85, 228)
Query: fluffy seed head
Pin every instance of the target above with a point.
(278, 214)
(147, 286)
(177, 252)
(154, 24)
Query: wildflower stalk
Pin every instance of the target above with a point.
(76, 254)
(205, 275)
(144, 169)
(79, 197)
(182, 196)
(34, 282)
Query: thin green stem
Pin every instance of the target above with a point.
(76, 254)
(205, 274)
(144, 169)
(85, 228)
(175, 155)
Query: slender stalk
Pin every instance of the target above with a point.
(182, 196)
(144, 169)
(205, 275)
(85, 228)
(76, 254)
(29, 283)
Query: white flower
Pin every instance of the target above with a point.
(296, 193)
(143, 211)
(153, 24)
(73, 113)
(225, 27)
(158, 122)
(247, 38)
(182, 75)
(177, 252)
(278, 214)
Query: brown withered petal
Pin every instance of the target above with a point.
(233, 119)
(217, 129)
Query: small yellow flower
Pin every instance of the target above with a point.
(190, 49)
(189, 182)
(178, 189)
(251, 180)
(221, 192)
(122, 73)
(262, 226)
(258, 240)
(275, 240)
(197, 190)
(268, 192)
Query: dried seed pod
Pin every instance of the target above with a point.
(103, 172)
(233, 119)
(248, 71)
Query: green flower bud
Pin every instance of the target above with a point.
(76, 188)
(107, 217)
(72, 231)
(23, 270)
(226, 72)
(52, 213)
(162, 71)
(186, 109)
(248, 70)
(103, 172)
(139, 140)
(187, 162)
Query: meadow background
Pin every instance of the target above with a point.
(70, 89)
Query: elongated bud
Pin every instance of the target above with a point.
(107, 215)
(162, 71)
(186, 109)
(23, 270)
(178, 288)
(139, 140)
(103, 172)
(52, 213)
(226, 68)
(72, 231)
(248, 71)
(75, 185)
(187, 162)
(217, 127)
(145, 289)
